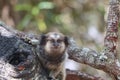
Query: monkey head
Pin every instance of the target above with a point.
(54, 43)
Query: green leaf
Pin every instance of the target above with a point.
(35, 11)
(46, 5)
(41, 25)
(25, 21)
(23, 7)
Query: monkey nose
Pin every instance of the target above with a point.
(56, 45)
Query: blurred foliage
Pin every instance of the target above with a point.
(33, 13)
(83, 19)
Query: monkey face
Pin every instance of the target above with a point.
(54, 43)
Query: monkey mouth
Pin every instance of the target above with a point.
(55, 49)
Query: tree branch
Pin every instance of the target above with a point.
(111, 38)
(94, 59)
(75, 75)
(105, 61)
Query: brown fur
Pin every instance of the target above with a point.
(54, 45)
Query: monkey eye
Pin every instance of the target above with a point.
(51, 40)
(59, 41)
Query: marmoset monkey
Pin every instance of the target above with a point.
(53, 56)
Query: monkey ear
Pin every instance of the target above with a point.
(66, 40)
(42, 39)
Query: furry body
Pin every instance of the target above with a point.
(54, 55)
